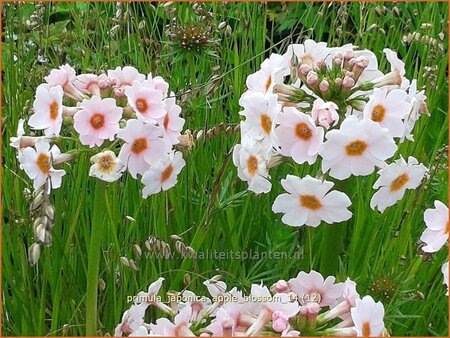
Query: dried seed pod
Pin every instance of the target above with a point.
(175, 238)
(190, 252)
(125, 261)
(133, 265)
(221, 25)
(37, 201)
(148, 245)
(180, 248)
(186, 279)
(49, 211)
(216, 278)
(166, 251)
(34, 252)
(137, 250)
(199, 134)
(101, 284)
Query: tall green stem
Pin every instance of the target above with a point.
(97, 231)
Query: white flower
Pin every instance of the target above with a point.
(38, 164)
(47, 108)
(171, 121)
(309, 52)
(438, 226)
(368, 317)
(444, 270)
(388, 109)
(309, 202)
(417, 99)
(356, 148)
(297, 136)
(397, 66)
(146, 101)
(260, 111)
(394, 180)
(106, 166)
(272, 71)
(251, 161)
(163, 174)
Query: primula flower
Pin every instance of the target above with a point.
(309, 202)
(436, 234)
(48, 109)
(251, 161)
(397, 67)
(325, 113)
(98, 120)
(444, 270)
(309, 52)
(171, 121)
(179, 328)
(37, 163)
(163, 174)
(64, 77)
(132, 320)
(158, 83)
(215, 288)
(394, 180)
(88, 84)
(297, 136)
(106, 166)
(143, 146)
(272, 71)
(260, 111)
(368, 317)
(388, 109)
(124, 77)
(312, 287)
(146, 101)
(356, 148)
(417, 100)
(21, 140)
(346, 301)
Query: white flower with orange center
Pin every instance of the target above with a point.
(273, 70)
(97, 121)
(38, 164)
(368, 317)
(260, 111)
(356, 148)
(308, 52)
(436, 234)
(124, 77)
(309, 202)
(171, 122)
(251, 160)
(48, 109)
(159, 83)
(394, 180)
(163, 174)
(146, 101)
(389, 109)
(144, 146)
(297, 136)
(106, 166)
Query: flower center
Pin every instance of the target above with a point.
(366, 329)
(106, 164)
(141, 105)
(378, 113)
(310, 202)
(43, 163)
(399, 182)
(268, 83)
(303, 131)
(266, 123)
(139, 145)
(97, 121)
(252, 165)
(54, 110)
(308, 59)
(166, 121)
(165, 175)
(356, 148)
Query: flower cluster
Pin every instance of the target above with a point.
(308, 304)
(435, 235)
(122, 109)
(339, 109)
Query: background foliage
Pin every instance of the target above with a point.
(209, 207)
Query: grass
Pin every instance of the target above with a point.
(209, 206)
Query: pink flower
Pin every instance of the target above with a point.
(272, 71)
(62, 76)
(438, 226)
(297, 136)
(48, 109)
(179, 328)
(146, 101)
(38, 164)
(158, 83)
(311, 287)
(171, 121)
(97, 120)
(325, 113)
(163, 174)
(368, 317)
(123, 77)
(21, 140)
(345, 302)
(88, 84)
(144, 146)
(132, 320)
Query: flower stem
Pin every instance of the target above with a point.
(97, 227)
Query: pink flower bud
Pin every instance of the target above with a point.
(312, 78)
(279, 322)
(348, 54)
(321, 64)
(324, 113)
(280, 287)
(348, 82)
(324, 86)
(104, 82)
(338, 81)
(304, 69)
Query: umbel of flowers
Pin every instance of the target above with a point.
(124, 119)
(332, 105)
(306, 305)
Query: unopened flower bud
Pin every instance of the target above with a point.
(280, 287)
(304, 69)
(324, 86)
(348, 82)
(34, 252)
(312, 78)
(338, 81)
